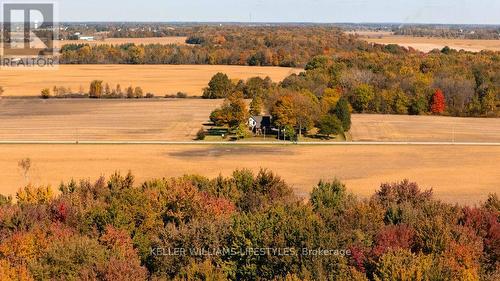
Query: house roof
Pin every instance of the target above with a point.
(261, 121)
(257, 119)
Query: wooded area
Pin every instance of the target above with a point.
(375, 78)
(252, 224)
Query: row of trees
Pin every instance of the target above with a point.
(243, 227)
(221, 86)
(96, 90)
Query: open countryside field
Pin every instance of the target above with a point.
(180, 119)
(459, 174)
(158, 79)
(426, 44)
(376, 127)
(86, 119)
(471, 172)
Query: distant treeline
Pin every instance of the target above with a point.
(233, 45)
(485, 33)
(246, 45)
(243, 227)
(141, 30)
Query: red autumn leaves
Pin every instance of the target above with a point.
(438, 104)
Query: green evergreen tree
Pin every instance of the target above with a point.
(330, 125)
(343, 113)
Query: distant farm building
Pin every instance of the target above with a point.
(79, 36)
(86, 38)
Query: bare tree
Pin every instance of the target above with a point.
(25, 166)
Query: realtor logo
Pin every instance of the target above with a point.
(29, 31)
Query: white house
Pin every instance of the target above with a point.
(259, 124)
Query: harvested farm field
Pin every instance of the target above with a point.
(426, 44)
(376, 127)
(180, 119)
(105, 119)
(458, 174)
(157, 79)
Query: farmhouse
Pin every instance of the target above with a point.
(260, 124)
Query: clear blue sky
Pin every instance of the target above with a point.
(405, 11)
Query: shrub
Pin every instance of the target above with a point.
(181, 95)
(330, 125)
(5, 200)
(242, 131)
(138, 93)
(493, 203)
(34, 195)
(130, 93)
(45, 93)
(201, 134)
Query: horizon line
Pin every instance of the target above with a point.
(281, 22)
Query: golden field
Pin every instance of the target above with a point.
(177, 40)
(376, 127)
(105, 119)
(426, 44)
(158, 79)
(461, 174)
(180, 119)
